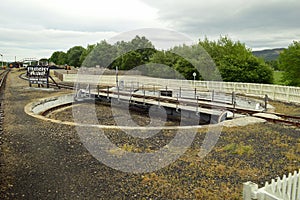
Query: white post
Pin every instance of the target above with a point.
(249, 191)
(194, 75)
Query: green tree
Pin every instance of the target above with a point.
(133, 53)
(59, 58)
(274, 64)
(163, 65)
(192, 59)
(236, 63)
(43, 61)
(73, 56)
(103, 54)
(86, 52)
(289, 62)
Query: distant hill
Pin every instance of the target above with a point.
(268, 54)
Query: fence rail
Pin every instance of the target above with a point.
(287, 188)
(274, 92)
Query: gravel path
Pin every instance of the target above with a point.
(44, 160)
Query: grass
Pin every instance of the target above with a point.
(286, 108)
(239, 149)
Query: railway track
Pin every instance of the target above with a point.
(203, 103)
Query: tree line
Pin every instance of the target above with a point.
(223, 59)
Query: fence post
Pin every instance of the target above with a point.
(249, 191)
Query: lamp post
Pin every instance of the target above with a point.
(117, 81)
(194, 75)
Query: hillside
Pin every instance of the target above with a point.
(268, 54)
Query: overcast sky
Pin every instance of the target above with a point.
(37, 28)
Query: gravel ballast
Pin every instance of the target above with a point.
(44, 160)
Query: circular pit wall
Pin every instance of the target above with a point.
(38, 108)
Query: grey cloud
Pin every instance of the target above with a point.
(232, 17)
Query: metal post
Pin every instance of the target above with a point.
(266, 102)
(197, 106)
(144, 96)
(195, 93)
(177, 103)
(179, 92)
(118, 93)
(98, 88)
(233, 98)
(117, 80)
(234, 104)
(213, 95)
(159, 99)
(194, 75)
(107, 92)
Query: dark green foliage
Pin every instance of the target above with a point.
(102, 54)
(211, 60)
(43, 61)
(274, 64)
(73, 56)
(86, 52)
(59, 58)
(125, 55)
(289, 62)
(236, 63)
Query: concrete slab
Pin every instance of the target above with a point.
(271, 116)
(242, 121)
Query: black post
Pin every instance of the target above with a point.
(233, 98)
(179, 92)
(266, 102)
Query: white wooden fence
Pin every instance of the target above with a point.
(287, 188)
(274, 92)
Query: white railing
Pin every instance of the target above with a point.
(274, 92)
(287, 188)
